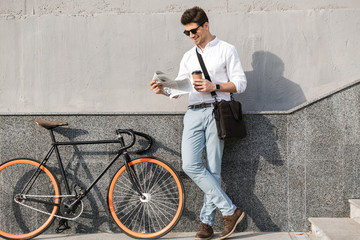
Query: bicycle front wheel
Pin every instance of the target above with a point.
(26, 214)
(161, 206)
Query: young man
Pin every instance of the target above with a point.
(227, 76)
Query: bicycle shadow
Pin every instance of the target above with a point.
(91, 219)
(159, 145)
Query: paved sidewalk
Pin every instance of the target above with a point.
(180, 236)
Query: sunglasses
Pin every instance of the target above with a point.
(193, 31)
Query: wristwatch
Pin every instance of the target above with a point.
(217, 87)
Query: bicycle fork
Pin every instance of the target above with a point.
(131, 171)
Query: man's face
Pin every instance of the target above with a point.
(198, 37)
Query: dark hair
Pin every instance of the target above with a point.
(194, 15)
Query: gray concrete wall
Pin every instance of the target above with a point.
(99, 56)
(292, 166)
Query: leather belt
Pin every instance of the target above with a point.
(201, 105)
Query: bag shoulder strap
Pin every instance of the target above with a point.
(206, 74)
(236, 112)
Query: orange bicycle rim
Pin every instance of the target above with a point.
(177, 214)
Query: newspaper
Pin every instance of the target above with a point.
(173, 87)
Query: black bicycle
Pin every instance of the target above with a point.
(145, 196)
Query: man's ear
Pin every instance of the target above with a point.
(206, 26)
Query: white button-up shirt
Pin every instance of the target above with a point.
(223, 65)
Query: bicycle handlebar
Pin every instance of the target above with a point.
(148, 138)
(132, 134)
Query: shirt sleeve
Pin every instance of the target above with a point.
(183, 70)
(235, 71)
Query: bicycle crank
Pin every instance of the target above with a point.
(70, 210)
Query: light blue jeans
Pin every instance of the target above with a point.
(200, 132)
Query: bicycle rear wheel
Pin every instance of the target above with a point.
(28, 215)
(162, 207)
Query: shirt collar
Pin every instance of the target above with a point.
(211, 43)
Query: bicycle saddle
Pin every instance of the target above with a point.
(50, 124)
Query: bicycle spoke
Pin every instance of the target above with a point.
(151, 183)
(156, 216)
(156, 186)
(161, 187)
(161, 211)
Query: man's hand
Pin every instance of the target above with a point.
(157, 88)
(203, 85)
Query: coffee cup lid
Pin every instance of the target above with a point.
(196, 72)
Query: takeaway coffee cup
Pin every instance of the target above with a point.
(197, 74)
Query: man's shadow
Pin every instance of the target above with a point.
(252, 167)
(267, 88)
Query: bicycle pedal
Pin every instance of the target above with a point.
(62, 226)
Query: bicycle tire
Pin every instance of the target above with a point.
(160, 212)
(18, 221)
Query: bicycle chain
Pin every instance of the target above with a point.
(48, 196)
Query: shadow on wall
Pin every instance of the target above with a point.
(268, 89)
(80, 172)
(254, 173)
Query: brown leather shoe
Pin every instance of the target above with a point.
(230, 223)
(205, 232)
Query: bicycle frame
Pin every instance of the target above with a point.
(122, 151)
